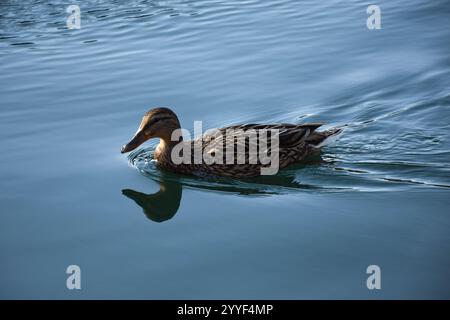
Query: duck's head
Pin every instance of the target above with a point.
(156, 123)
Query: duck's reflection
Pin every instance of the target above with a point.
(159, 206)
(164, 204)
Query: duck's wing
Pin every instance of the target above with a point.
(289, 134)
(291, 137)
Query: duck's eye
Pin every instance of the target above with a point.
(153, 121)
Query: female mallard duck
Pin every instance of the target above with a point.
(295, 142)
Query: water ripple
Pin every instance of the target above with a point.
(226, 62)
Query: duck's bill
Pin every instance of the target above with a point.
(135, 142)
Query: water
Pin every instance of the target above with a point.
(71, 98)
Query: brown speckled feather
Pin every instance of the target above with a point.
(295, 142)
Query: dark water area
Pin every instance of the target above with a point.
(69, 99)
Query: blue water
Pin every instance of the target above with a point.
(69, 99)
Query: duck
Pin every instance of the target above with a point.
(294, 143)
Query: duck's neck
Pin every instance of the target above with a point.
(163, 151)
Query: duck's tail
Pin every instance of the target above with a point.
(320, 139)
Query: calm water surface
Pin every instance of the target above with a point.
(70, 98)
